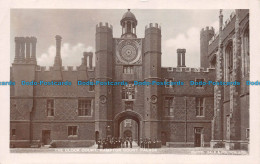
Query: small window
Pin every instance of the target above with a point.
(168, 83)
(128, 91)
(13, 132)
(128, 123)
(247, 133)
(200, 81)
(50, 107)
(84, 107)
(128, 69)
(129, 105)
(91, 87)
(72, 130)
(169, 106)
(199, 106)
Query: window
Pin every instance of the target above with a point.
(199, 106)
(72, 130)
(229, 60)
(91, 87)
(169, 106)
(84, 107)
(128, 91)
(200, 81)
(50, 107)
(128, 69)
(13, 132)
(128, 123)
(247, 133)
(168, 83)
(246, 51)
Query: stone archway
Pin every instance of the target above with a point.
(127, 115)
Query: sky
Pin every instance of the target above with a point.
(180, 29)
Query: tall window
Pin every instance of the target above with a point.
(50, 107)
(84, 107)
(229, 61)
(72, 130)
(247, 133)
(13, 132)
(128, 69)
(169, 106)
(246, 51)
(91, 87)
(168, 83)
(128, 91)
(199, 106)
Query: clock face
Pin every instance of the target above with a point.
(128, 51)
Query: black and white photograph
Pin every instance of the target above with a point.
(134, 81)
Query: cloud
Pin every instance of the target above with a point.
(71, 54)
(189, 40)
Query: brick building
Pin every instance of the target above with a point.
(185, 115)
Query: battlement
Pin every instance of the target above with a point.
(50, 68)
(207, 29)
(232, 15)
(102, 24)
(215, 36)
(153, 25)
(188, 69)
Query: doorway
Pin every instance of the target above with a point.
(197, 136)
(46, 137)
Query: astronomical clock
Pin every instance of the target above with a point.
(128, 51)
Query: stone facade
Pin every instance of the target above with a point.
(179, 116)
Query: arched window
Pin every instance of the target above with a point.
(228, 61)
(246, 51)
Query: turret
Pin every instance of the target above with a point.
(205, 35)
(128, 23)
(103, 72)
(152, 72)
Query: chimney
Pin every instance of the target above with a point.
(22, 44)
(90, 60)
(17, 49)
(27, 44)
(58, 61)
(85, 58)
(33, 53)
(183, 57)
(179, 57)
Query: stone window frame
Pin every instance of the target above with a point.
(124, 90)
(128, 69)
(245, 51)
(198, 107)
(167, 109)
(168, 80)
(50, 108)
(228, 60)
(91, 86)
(90, 109)
(77, 130)
(198, 86)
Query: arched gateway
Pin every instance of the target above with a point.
(127, 115)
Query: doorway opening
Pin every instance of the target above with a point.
(198, 137)
(46, 137)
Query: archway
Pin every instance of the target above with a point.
(128, 115)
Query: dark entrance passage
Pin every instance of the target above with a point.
(128, 134)
(130, 121)
(96, 136)
(46, 137)
(197, 137)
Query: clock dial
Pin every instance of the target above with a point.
(128, 51)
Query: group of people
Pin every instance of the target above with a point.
(111, 143)
(148, 143)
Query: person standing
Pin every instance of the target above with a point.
(131, 142)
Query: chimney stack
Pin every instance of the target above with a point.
(181, 57)
(90, 60)
(58, 61)
(27, 44)
(33, 53)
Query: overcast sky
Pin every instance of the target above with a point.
(180, 29)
